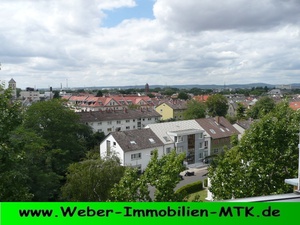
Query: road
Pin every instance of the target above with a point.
(200, 174)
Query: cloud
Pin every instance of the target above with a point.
(44, 43)
(195, 15)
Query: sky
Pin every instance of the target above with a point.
(98, 43)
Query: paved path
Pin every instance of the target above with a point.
(200, 174)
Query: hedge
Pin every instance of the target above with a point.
(191, 188)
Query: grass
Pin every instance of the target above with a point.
(202, 193)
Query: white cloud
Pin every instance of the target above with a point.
(44, 43)
(195, 15)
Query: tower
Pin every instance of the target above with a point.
(147, 88)
(13, 86)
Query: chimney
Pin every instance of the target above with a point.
(217, 119)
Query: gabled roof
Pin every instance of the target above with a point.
(176, 104)
(162, 130)
(133, 140)
(94, 116)
(12, 81)
(295, 105)
(217, 127)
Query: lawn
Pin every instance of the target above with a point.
(202, 193)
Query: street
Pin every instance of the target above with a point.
(199, 175)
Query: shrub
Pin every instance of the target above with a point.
(191, 188)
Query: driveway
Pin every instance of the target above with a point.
(200, 174)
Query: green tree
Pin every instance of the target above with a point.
(42, 182)
(194, 110)
(92, 179)
(99, 93)
(183, 95)
(266, 155)
(161, 173)
(262, 107)
(240, 111)
(13, 176)
(217, 105)
(60, 127)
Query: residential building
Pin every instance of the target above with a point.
(183, 136)
(219, 130)
(119, 120)
(172, 109)
(195, 138)
(30, 95)
(134, 147)
(87, 102)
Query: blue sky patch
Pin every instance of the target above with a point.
(144, 9)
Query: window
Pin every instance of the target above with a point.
(133, 120)
(114, 144)
(127, 121)
(133, 142)
(143, 119)
(161, 110)
(213, 131)
(152, 140)
(222, 130)
(127, 128)
(201, 145)
(167, 139)
(206, 144)
(118, 122)
(99, 130)
(109, 122)
(139, 167)
(201, 155)
(149, 119)
(99, 123)
(133, 127)
(108, 129)
(136, 156)
(178, 138)
(200, 135)
(168, 150)
(179, 149)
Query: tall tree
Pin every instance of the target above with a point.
(217, 105)
(60, 127)
(183, 95)
(266, 155)
(194, 110)
(13, 176)
(92, 179)
(262, 107)
(161, 173)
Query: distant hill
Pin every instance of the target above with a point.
(190, 86)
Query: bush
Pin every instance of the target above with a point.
(190, 188)
(205, 182)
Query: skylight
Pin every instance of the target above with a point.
(132, 142)
(213, 131)
(152, 140)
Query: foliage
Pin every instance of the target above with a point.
(191, 188)
(262, 107)
(10, 114)
(217, 105)
(240, 111)
(183, 95)
(13, 176)
(60, 127)
(92, 179)
(161, 173)
(99, 93)
(194, 110)
(266, 155)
